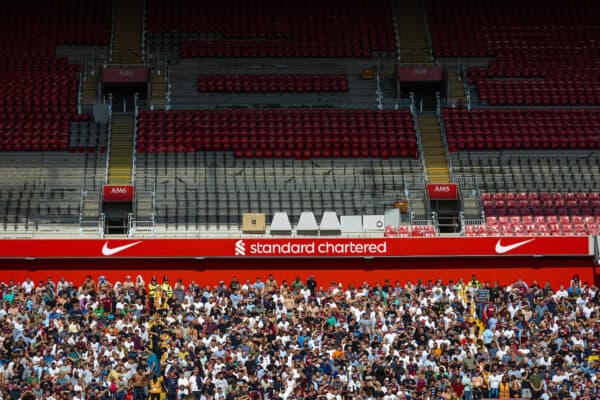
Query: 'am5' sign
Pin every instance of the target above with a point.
(118, 193)
(442, 191)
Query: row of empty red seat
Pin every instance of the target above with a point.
(353, 117)
(548, 40)
(532, 229)
(540, 220)
(546, 92)
(410, 231)
(540, 203)
(541, 196)
(38, 143)
(525, 205)
(254, 83)
(269, 28)
(324, 48)
(521, 129)
(281, 133)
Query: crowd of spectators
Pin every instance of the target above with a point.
(297, 340)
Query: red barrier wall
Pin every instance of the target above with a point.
(555, 270)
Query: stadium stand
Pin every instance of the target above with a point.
(249, 88)
(241, 111)
(47, 147)
(544, 55)
(273, 29)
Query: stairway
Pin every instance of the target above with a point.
(128, 30)
(159, 91)
(90, 203)
(121, 150)
(433, 149)
(89, 89)
(414, 48)
(457, 89)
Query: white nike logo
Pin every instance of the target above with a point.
(503, 249)
(107, 251)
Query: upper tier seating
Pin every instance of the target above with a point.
(545, 52)
(521, 129)
(269, 28)
(280, 133)
(38, 91)
(299, 83)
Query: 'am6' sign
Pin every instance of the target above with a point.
(118, 193)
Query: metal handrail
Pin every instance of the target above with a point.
(378, 92)
(419, 142)
(169, 93)
(102, 224)
(135, 132)
(109, 136)
(455, 102)
(466, 181)
(444, 139)
(427, 30)
(112, 31)
(143, 39)
(466, 87)
(82, 76)
(472, 221)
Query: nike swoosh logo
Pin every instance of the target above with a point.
(107, 251)
(503, 249)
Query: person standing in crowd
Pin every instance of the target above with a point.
(372, 341)
(155, 388)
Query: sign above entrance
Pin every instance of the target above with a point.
(122, 193)
(442, 191)
(125, 75)
(421, 73)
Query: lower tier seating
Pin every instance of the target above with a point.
(551, 225)
(411, 231)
